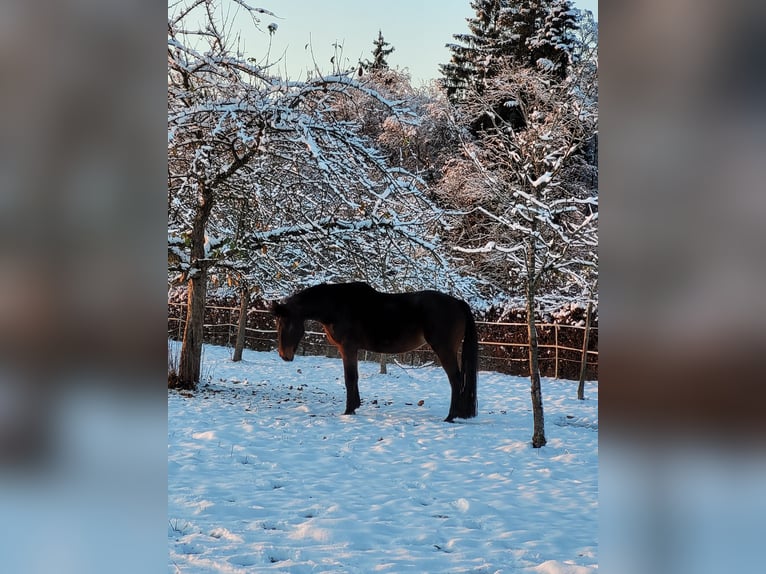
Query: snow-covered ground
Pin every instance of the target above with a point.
(266, 475)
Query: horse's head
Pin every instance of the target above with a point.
(289, 330)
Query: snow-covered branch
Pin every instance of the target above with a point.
(291, 183)
(516, 173)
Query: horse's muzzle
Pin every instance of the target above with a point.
(287, 355)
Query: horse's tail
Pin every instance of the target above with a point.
(467, 402)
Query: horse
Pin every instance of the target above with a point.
(355, 316)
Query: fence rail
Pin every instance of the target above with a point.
(560, 356)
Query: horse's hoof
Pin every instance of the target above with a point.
(350, 412)
(449, 420)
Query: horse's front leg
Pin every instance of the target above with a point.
(351, 375)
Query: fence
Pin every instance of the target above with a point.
(503, 347)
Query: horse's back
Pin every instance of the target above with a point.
(422, 308)
(443, 316)
(435, 304)
(359, 315)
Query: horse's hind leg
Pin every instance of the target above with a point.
(351, 376)
(450, 366)
(445, 339)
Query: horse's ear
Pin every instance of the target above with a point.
(278, 309)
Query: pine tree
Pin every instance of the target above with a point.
(472, 59)
(379, 55)
(554, 43)
(530, 33)
(523, 19)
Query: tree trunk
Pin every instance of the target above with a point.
(244, 302)
(191, 349)
(383, 369)
(189, 364)
(538, 433)
(584, 359)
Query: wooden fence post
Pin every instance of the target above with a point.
(556, 342)
(584, 359)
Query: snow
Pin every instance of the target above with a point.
(543, 179)
(265, 474)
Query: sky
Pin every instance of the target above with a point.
(417, 29)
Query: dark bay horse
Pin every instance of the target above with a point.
(355, 316)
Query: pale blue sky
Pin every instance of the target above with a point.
(417, 29)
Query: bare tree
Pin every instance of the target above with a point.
(244, 303)
(535, 225)
(209, 142)
(271, 179)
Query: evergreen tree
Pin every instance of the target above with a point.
(473, 58)
(554, 43)
(379, 55)
(529, 33)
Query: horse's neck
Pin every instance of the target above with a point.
(311, 308)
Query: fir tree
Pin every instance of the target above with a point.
(473, 57)
(530, 33)
(379, 55)
(554, 43)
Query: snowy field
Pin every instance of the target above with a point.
(266, 475)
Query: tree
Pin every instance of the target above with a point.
(553, 44)
(379, 55)
(475, 57)
(271, 180)
(244, 303)
(421, 143)
(200, 166)
(537, 224)
(523, 33)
